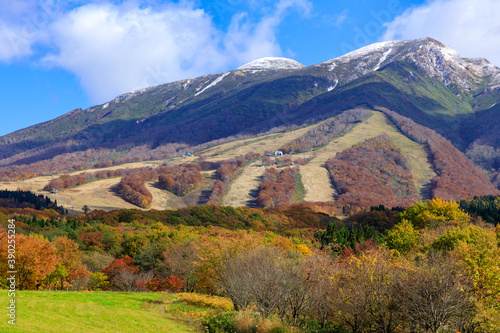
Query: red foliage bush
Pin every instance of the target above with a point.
(277, 189)
(132, 188)
(117, 267)
(179, 180)
(173, 283)
(92, 238)
(157, 284)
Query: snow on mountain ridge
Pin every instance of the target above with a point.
(272, 63)
(433, 57)
(213, 83)
(369, 50)
(439, 60)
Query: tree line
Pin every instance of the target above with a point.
(277, 188)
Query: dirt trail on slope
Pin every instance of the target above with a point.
(243, 190)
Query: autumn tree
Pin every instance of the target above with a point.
(433, 213)
(402, 237)
(36, 258)
(114, 272)
(477, 249)
(322, 291)
(70, 260)
(269, 277)
(437, 295)
(149, 255)
(180, 260)
(366, 293)
(97, 261)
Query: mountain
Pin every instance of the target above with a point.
(431, 81)
(271, 63)
(423, 80)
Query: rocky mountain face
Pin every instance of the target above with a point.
(422, 79)
(434, 58)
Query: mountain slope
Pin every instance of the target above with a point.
(425, 161)
(421, 79)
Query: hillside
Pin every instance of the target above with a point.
(271, 104)
(242, 190)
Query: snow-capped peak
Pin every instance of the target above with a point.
(272, 63)
(369, 50)
(433, 57)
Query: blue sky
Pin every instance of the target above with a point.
(56, 56)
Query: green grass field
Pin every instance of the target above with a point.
(44, 311)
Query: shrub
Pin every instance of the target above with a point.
(220, 323)
(179, 180)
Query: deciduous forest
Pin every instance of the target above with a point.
(426, 268)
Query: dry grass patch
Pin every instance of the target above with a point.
(316, 184)
(243, 189)
(269, 142)
(163, 199)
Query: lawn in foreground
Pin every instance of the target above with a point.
(44, 311)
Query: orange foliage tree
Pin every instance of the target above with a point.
(71, 259)
(35, 259)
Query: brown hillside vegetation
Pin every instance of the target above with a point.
(458, 178)
(371, 173)
(277, 188)
(236, 182)
(133, 190)
(179, 179)
(79, 160)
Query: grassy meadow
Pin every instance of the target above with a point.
(48, 311)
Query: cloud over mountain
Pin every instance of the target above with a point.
(113, 48)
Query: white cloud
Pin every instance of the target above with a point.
(24, 24)
(118, 48)
(246, 41)
(470, 27)
(114, 51)
(13, 42)
(114, 46)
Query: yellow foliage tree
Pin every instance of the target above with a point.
(434, 212)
